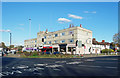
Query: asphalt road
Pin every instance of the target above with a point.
(93, 66)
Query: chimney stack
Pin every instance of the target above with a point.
(80, 25)
(103, 41)
(46, 30)
(70, 26)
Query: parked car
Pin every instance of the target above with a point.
(57, 52)
(46, 52)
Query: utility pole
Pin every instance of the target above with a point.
(30, 28)
(10, 38)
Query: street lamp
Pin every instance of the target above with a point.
(10, 39)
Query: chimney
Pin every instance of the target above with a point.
(80, 25)
(94, 39)
(46, 30)
(103, 41)
(70, 26)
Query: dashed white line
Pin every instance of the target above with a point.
(98, 66)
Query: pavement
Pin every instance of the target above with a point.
(85, 55)
(89, 66)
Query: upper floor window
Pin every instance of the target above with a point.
(71, 32)
(62, 41)
(87, 33)
(44, 37)
(63, 33)
(71, 40)
(35, 41)
(55, 41)
(49, 42)
(44, 42)
(49, 36)
(56, 35)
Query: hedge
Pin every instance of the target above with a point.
(107, 50)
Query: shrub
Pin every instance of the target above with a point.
(27, 53)
(118, 50)
(34, 53)
(107, 50)
(19, 52)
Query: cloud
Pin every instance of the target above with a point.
(4, 30)
(93, 12)
(21, 24)
(90, 12)
(86, 12)
(20, 28)
(75, 16)
(61, 20)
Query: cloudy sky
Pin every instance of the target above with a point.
(100, 17)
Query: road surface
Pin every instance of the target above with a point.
(93, 66)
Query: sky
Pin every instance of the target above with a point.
(100, 17)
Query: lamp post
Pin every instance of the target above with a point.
(30, 28)
(10, 39)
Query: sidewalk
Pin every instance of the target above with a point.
(94, 55)
(85, 55)
(13, 55)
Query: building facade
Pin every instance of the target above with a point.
(30, 43)
(65, 40)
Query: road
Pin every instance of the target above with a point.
(93, 66)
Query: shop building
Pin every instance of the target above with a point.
(72, 40)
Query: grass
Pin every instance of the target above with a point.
(51, 56)
(108, 54)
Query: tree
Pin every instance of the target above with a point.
(19, 48)
(11, 46)
(3, 45)
(116, 39)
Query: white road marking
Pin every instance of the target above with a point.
(73, 62)
(98, 66)
(112, 67)
(57, 69)
(89, 60)
(17, 71)
(54, 66)
(38, 73)
(40, 64)
(60, 61)
(22, 66)
(13, 67)
(39, 68)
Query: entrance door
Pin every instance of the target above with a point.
(62, 47)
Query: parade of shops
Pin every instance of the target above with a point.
(72, 40)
